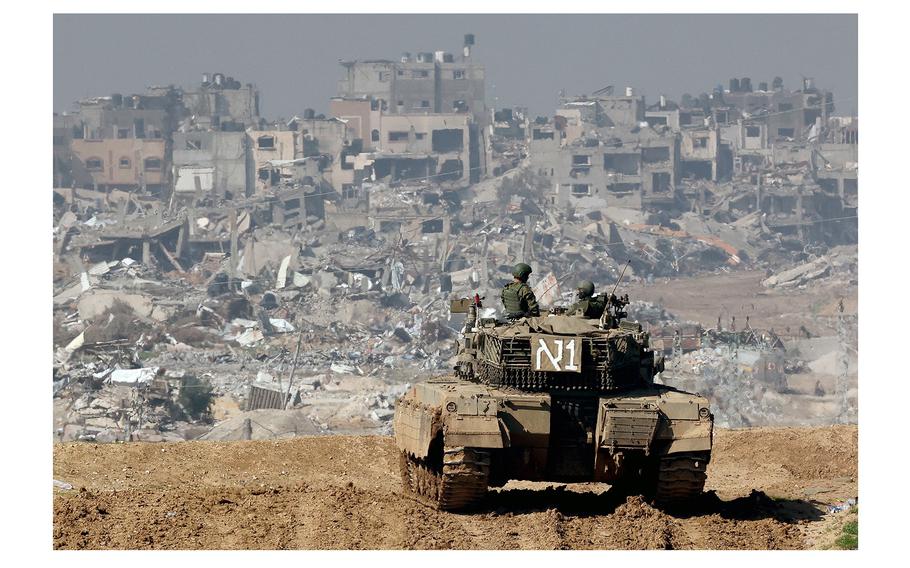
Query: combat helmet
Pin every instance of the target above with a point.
(585, 289)
(521, 270)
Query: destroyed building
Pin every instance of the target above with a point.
(433, 82)
(401, 148)
(221, 161)
(776, 152)
(787, 114)
(220, 102)
(119, 142)
(438, 83)
(595, 153)
(268, 146)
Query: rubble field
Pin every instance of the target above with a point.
(768, 488)
(260, 278)
(310, 338)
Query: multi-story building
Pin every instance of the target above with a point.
(220, 102)
(152, 116)
(629, 169)
(430, 82)
(401, 147)
(789, 115)
(119, 141)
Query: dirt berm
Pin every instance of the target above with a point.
(767, 488)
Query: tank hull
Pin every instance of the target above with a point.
(624, 438)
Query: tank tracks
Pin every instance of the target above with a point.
(459, 482)
(680, 479)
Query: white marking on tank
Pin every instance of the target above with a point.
(570, 347)
(542, 347)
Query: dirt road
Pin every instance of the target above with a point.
(740, 294)
(767, 488)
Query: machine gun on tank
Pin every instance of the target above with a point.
(616, 306)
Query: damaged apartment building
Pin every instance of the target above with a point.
(727, 154)
(211, 152)
(795, 161)
(597, 151)
(117, 142)
(165, 139)
(423, 115)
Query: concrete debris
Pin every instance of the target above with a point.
(249, 337)
(280, 325)
(76, 343)
(840, 261)
(343, 369)
(133, 377)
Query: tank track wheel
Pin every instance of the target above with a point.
(459, 482)
(680, 479)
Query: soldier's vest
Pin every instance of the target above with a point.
(596, 307)
(511, 298)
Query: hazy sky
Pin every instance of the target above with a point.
(293, 59)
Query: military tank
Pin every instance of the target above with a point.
(556, 398)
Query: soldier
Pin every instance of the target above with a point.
(588, 305)
(518, 299)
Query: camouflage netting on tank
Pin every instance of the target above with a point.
(607, 363)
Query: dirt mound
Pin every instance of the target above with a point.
(342, 492)
(803, 453)
(639, 525)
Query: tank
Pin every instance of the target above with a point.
(558, 398)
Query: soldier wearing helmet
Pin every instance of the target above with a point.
(518, 299)
(588, 305)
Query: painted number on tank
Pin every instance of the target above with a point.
(553, 353)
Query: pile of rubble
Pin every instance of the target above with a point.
(760, 381)
(838, 266)
(274, 314)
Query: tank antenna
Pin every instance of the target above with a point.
(618, 280)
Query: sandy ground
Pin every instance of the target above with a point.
(767, 489)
